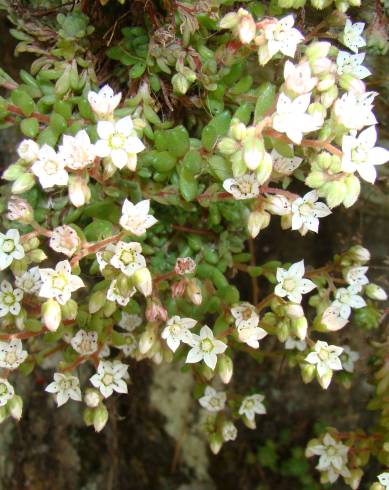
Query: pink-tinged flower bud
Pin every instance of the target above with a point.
(155, 312)
(143, 282)
(147, 340)
(51, 314)
(100, 417)
(178, 288)
(92, 398)
(225, 368)
(79, 193)
(278, 205)
(20, 210)
(246, 27)
(15, 407)
(184, 265)
(375, 292)
(193, 291)
(321, 66)
(258, 220)
(294, 311)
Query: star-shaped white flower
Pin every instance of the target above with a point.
(352, 64)
(352, 35)
(298, 78)
(64, 239)
(306, 212)
(12, 354)
(326, 360)
(128, 257)
(6, 392)
(205, 348)
(332, 317)
(246, 321)
(10, 248)
(85, 343)
(29, 281)
(104, 102)
(65, 386)
(59, 283)
(292, 119)
(356, 277)
(244, 187)
(280, 37)
(360, 155)
(136, 218)
(291, 282)
(229, 431)
(130, 346)
(284, 165)
(77, 152)
(346, 299)
(113, 294)
(50, 168)
(110, 377)
(129, 322)
(252, 405)
(383, 478)
(119, 141)
(349, 358)
(355, 111)
(212, 400)
(177, 330)
(9, 299)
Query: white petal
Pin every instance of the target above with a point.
(105, 129)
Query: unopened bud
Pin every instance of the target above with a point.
(147, 340)
(69, 310)
(258, 220)
(377, 486)
(250, 424)
(193, 291)
(238, 130)
(143, 282)
(215, 442)
(79, 193)
(36, 256)
(229, 21)
(278, 205)
(326, 83)
(253, 152)
(294, 311)
(180, 84)
(308, 372)
(374, 291)
(225, 368)
(352, 84)
(317, 50)
(13, 172)
(328, 97)
(264, 169)
(92, 398)
(97, 301)
(335, 192)
(15, 407)
(51, 314)
(321, 66)
(20, 210)
(300, 327)
(355, 478)
(23, 183)
(28, 150)
(228, 146)
(155, 311)
(100, 417)
(359, 254)
(246, 27)
(283, 330)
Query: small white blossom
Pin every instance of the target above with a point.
(383, 478)
(119, 141)
(284, 165)
(9, 299)
(298, 78)
(296, 344)
(64, 239)
(20, 210)
(291, 282)
(110, 377)
(177, 330)
(128, 257)
(306, 212)
(360, 155)
(351, 64)
(355, 111)
(332, 317)
(10, 248)
(113, 294)
(326, 360)
(85, 343)
(28, 150)
(213, 400)
(136, 218)
(12, 354)
(352, 35)
(102, 256)
(279, 36)
(104, 102)
(356, 277)
(50, 168)
(252, 405)
(244, 187)
(205, 348)
(77, 152)
(292, 119)
(246, 321)
(229, 431)
(129, 322)
(333, 457)
(6, 392)
(59, 283)
(30, 281)
(346, 299)
(65, 386)
(349, 358)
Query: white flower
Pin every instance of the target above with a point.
(291, 117)
(252, 405)
(28, 150)
(10, 248)
(6, 392)
(348, 358)
(326, 359)
(356, 277)
(360, 155)
(229, 431)
(64, 387)
(346, 299)
(351, 64)
(352, 35)
(383, 478)
(129, 322)
(119, 141)
(12, 354)
(332, 317)
(177, 330)
(298, 78)
(9, 299)
(104, 256)
(284, 165)
(113, 294)
(355, 111)
(136, 218)
(59, 283)
(205, 347)
(128, 257)
(280, 36)
(246, 321)
(64, 239)
(213, 400)
(110, 377)
(50, 168)
(291, 282)
(130, 346)
(85, 343)
(306, 212)
(244, 187)
(77, 152)
(297, 344)
(333, 457)
(104, 102)
(30, 281)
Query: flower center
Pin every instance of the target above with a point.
(246, 314)
(3, 389)
(8, 246)
(127, 257)
(359, 154)
(323, 354)
(51, 167)
(306, 209)
(289, 284)
(107, 379)
(117, 141)
(59, 282)
(10, 357)
(9, 299)
(206, 345)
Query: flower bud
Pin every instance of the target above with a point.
(351, 83)
(155, 311)
(147, 340)
(79, 193)
(238, 130)
(377, 486)
(375, 292)
(3, 413)
(326, 83)
(328, 97)
(92, 398)
(258, 220)
(294, 311)
(13, 172)
(335, 192)
(300, 327)
(215, 442)
(264, 169)
(193, 291)
(28, 150)
(246, 27)
(250, 424)
(20, 210)
(69, 310)
(308, 372)
(51, 314)
(97, 301)
(109, 308)
(353, 189)
(359, 254)
(100, 417)
(277, 204)
(317, 50)
(253, 152)
(180, 84)
(283, 330)
(229, 21)
(23, 183)
(143, 282)
(225, 368)
(321, 4)
(228, 146)
(36, 256)
(321, 66)
(355, 478)
(15, 407)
